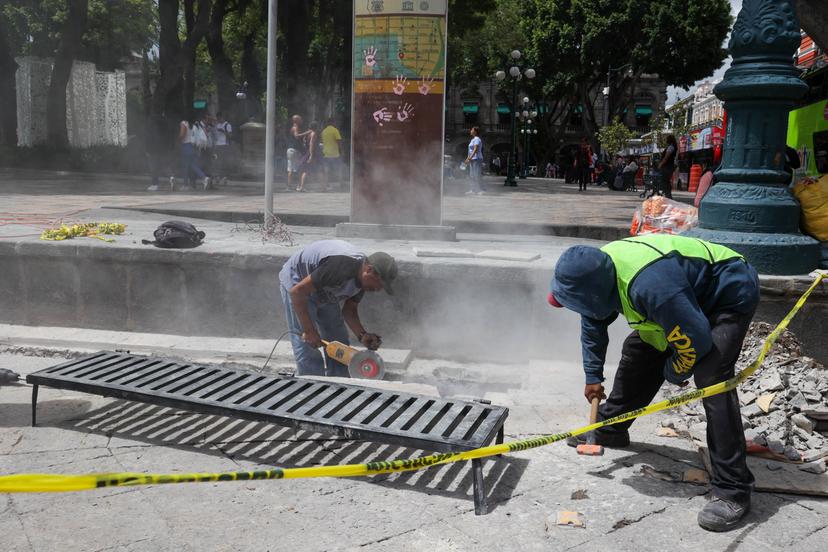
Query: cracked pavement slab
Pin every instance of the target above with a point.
(426, 510)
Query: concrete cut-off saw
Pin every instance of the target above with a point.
(362, 364)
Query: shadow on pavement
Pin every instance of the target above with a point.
(272, 445)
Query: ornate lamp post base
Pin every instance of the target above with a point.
(751, 209)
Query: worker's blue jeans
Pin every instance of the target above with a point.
(331, 327)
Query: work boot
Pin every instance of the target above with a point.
(618, 439)
(721, 514)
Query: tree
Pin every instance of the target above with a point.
(575, 42)
(8, 97)
(70, 42)
(615, 136)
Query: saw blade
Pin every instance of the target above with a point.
(366, 365)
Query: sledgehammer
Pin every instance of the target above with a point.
(590, 448)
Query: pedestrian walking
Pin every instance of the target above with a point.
(667, 166)
(474, 161)
(311, 157)
(190, 137)
(156, 147)
(295, 149)
(332, 155)
(222, 132)
(583, 157)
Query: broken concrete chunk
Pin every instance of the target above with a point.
(792, 454)
(817, 467)
(799, 402)
(803, 422)
(814, 455)
(771, 381)
(666, 432)
(568, 519)
(776, 446)
(765, 402)
(696, 476)
(752, 410)
(747, 397)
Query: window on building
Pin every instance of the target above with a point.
(643, 114)
(504, 113)
(576, 117)
(471, 113)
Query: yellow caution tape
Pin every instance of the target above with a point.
(86, 229)
(35, 482)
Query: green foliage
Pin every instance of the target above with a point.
(114, 30)
(614, 137)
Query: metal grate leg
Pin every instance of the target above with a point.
(480, 506)
(34, 405)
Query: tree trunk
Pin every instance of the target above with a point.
(173, 67)
(8, 95)
(167, 97)
(252, 75)
(190, 59)
(70, 41)
(588, 116)
(294, 22)
(222, 65)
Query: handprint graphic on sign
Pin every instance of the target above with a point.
(382, 115)
(426, 85)
(400, 84)
(404, 112)
(370, 56)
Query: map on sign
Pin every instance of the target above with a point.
(409, 45)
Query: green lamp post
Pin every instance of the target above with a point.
(516, 73)
(750, 209)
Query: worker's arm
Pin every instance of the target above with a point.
(350, 312)
(662, 293)
(299, 295)
(594, 342)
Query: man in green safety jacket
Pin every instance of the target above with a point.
(690, 303)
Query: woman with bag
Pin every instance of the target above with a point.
(191, 136)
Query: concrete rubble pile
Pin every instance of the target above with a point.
(784, 404)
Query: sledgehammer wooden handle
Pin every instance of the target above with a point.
(593, 411)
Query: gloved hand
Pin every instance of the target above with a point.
(674, 377)
(371, 341)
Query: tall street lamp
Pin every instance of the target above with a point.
(515, 72)
(528, 116)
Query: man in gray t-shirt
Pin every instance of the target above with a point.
(313, 283)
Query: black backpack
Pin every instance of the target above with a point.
(176, 234)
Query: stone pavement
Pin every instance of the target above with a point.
(535, 206)
(627, 506)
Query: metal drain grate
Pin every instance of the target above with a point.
(415, 421)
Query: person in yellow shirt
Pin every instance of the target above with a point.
(332, 154)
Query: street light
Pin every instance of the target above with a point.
(527, 118)
(514, 70)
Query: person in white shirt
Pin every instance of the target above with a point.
(222, 131)
(192, 137)
(475, 162)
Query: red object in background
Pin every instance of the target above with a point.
(695, 175)
(719, 135)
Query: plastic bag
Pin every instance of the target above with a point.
(659, 215)
(813, 196)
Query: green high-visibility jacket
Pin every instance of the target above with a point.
(632, 255)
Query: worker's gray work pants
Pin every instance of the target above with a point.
(641, 373)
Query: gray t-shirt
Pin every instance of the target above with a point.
(333, 266)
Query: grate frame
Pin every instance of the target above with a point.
(351, 411)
